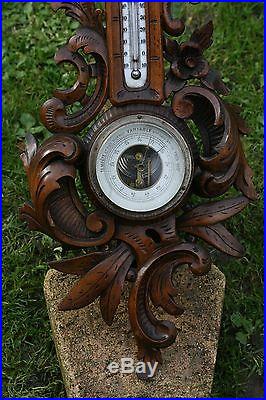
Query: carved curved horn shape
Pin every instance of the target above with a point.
(56, 207)
(222, 163)
(174, 27)
(84, 12)
(53, 113)
(149, 331)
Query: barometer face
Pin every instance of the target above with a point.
(139, 165)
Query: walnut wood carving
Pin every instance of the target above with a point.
(145, 254)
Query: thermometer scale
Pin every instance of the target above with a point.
(135, 44)
(134, 39)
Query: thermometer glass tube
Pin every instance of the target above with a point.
(134, 43)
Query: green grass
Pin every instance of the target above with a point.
(31, 34)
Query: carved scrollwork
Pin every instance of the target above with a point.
(204, 221)
(90, 40)
(146, 253)
(106, 279)
(154, 282)
(78, 90)
(172, 26)
(222, 163)
(56, 208)
(84, 12)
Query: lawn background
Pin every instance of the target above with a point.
(31, 35)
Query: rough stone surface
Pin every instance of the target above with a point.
(86, 345)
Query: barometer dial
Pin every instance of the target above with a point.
(139, 165)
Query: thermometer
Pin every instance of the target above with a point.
(134, 44)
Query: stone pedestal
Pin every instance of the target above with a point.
(86, 345)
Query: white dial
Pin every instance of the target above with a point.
(134, 43)
(142, 163)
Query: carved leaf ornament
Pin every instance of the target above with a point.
(143, 253)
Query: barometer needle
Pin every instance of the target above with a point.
(146, 150)
(160, 149)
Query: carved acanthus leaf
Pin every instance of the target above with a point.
(222, 163)
(84, 12)
(203, 36)
(89, 287)
(56, 208)
(110, 297)
(218, 236)
(162, 290)
(244, 177)
(80, 265)
(213, 81)
(149, 331)
(204, 221)
(212, 213)
(53, 113)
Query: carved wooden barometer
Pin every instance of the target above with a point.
(152, 141)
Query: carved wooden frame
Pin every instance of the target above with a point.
(143, 253)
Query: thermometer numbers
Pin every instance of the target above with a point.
(134, 43)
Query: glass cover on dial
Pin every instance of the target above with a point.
(139, 167)
(141, 163)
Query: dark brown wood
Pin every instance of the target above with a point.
(154, 282)
(90, 40)
(173, 27)
(153, 91)
(144, 250)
